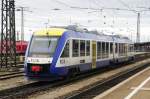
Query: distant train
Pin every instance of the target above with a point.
(21, 47)
(57, 52)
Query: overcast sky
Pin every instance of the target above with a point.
(40, 12)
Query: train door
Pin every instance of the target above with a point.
(126, 50)
(93, 54)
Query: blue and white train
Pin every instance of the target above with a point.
(57, 52)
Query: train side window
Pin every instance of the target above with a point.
(124, 49)
(98, 50)
(126, 46)
(121, 49)
(87, 48)
(131, 48)
(116, 47)
(66, 50)
(75, 48)
(103, 49)
(107, 49)
(82, 48)
(111, 48)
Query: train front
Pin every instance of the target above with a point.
(40, 53)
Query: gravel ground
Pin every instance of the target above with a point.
(13, 82)
(3, 73)
(62, 91)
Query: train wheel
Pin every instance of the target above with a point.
(72, 72)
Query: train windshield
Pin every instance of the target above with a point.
(43, 46)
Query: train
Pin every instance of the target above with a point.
(55, 53)
(21, 47)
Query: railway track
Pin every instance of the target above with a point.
(18, 64)
(17, 72)
(11, 75)
(35, 87)
(104, 85)
(31, 88)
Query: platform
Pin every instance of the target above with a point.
(136, 87)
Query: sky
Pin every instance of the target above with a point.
(97, 15)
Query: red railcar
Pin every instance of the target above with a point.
(21, 47)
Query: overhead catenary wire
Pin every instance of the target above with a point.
(127, 6)
(101, 6)
(62, 3)
(128, 9)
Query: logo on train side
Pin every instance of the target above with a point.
(62, 61)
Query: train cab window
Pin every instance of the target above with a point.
(66, 50)
(87, 48)
(75, 48)
(82, 48)
(98, 50)
(42, 46)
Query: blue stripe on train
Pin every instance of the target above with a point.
(59, 48)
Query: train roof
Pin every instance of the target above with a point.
(81, 34)
(50, 32)
(101, 37)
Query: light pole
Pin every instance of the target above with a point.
(22, 9)
(138, 28)
(22, 22)
(46, 24)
